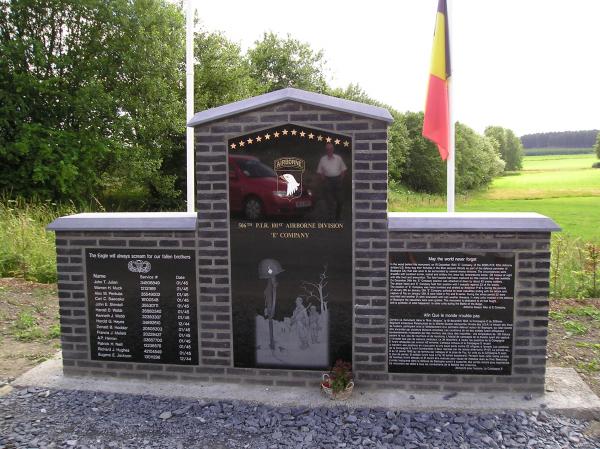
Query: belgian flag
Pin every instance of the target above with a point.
(436, 124)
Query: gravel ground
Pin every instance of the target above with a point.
(38, 418)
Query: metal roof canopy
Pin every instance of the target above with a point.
(291, 94)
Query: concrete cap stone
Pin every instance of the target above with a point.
(291, 94)
(126, 221)
(471, 222)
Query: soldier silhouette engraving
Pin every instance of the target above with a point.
(269, 269)
(314, 323)
(301, 321)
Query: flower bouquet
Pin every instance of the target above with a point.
(338, 383)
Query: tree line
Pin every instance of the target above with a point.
(562, 139)
(93, 104)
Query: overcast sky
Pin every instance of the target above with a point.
(528, 65)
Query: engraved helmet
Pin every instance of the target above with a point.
(268, 268)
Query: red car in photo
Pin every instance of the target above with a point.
(255, 191)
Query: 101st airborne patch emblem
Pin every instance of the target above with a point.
(289, 175)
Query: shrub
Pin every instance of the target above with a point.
(477, 159)
(27, 250)
(575, 268)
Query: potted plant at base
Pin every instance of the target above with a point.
(338, 383)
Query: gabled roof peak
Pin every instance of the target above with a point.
(292, 94)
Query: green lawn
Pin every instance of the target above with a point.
(557, 151)
(549, 177)
(558, 162)
(563, 187)
(578, 216)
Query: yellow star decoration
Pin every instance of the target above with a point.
(284, 132)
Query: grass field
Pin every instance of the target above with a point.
(547, 151)
(558, 162)
(563, 187)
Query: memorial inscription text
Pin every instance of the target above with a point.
(451, 313)
(142, 305)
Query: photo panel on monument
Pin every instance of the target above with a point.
(290, 200)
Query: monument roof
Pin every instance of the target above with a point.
(291, 94)
(471, 222)
(126, 221)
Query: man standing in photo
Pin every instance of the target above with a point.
(331, 170)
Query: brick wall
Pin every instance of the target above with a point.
(532, 271)
(369, 152)
(371, 239)
(70, 254)
(532, 264)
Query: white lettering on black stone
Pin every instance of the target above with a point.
(142, 315)
(451, 313)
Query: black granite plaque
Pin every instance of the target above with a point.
(142, 305)
(290, 198)
(451, 313)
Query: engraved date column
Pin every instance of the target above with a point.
(184, 328)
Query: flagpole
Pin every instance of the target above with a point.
(189, 94)
(450, 162)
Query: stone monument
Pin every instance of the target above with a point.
(292, 262)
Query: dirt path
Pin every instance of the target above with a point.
(574, 338)
(29, 329)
